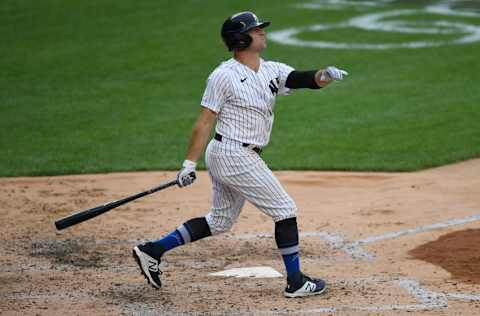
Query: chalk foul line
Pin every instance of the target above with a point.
(355, 248)
(337, 240)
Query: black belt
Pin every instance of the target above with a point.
(256, 149)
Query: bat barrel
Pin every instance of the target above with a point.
(90, 213)
(80, 217)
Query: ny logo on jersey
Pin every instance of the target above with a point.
(273, 87)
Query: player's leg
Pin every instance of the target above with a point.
(257, 184)
(226, 207)
(227, 203)
(298, 284)
(148, 255)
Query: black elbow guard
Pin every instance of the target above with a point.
(302, 79)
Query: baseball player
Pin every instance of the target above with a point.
(240, 97)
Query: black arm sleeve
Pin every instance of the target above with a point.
(302, 79)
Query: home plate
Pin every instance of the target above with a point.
(251, 272)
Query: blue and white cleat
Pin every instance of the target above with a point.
(300, 285)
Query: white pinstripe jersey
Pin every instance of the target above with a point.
(244, 100)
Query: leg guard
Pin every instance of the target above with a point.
(286, 236)
(194, 229)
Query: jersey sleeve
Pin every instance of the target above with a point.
(283, 70)
(216, 92)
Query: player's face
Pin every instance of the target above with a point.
(259, 39)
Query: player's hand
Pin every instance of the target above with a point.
(186, 175)
(332, 73)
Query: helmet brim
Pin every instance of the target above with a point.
(263, 24)
(259, 24)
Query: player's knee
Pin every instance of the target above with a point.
(219, 223)
(194, 229)
(289, 211)
(286, 234)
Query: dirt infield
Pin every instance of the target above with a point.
(453, 252)
(367, 234)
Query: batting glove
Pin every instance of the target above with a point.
(186, 175)
(333, 73)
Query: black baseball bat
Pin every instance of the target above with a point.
(84, 215)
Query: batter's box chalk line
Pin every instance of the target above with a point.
(354, 248)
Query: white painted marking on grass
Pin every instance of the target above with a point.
(383, 22)
(373, 22)
(446, 8)
(342, 4)
(249, 272)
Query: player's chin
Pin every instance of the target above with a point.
(258, 46)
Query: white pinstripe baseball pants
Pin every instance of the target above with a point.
(239, 174)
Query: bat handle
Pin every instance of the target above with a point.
(161, 187)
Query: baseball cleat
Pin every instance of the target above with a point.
(145, 256)
(300, 285)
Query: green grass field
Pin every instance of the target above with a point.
(105, 86)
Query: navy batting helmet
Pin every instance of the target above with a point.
(235, 28)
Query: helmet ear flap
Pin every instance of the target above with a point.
(241, 41)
